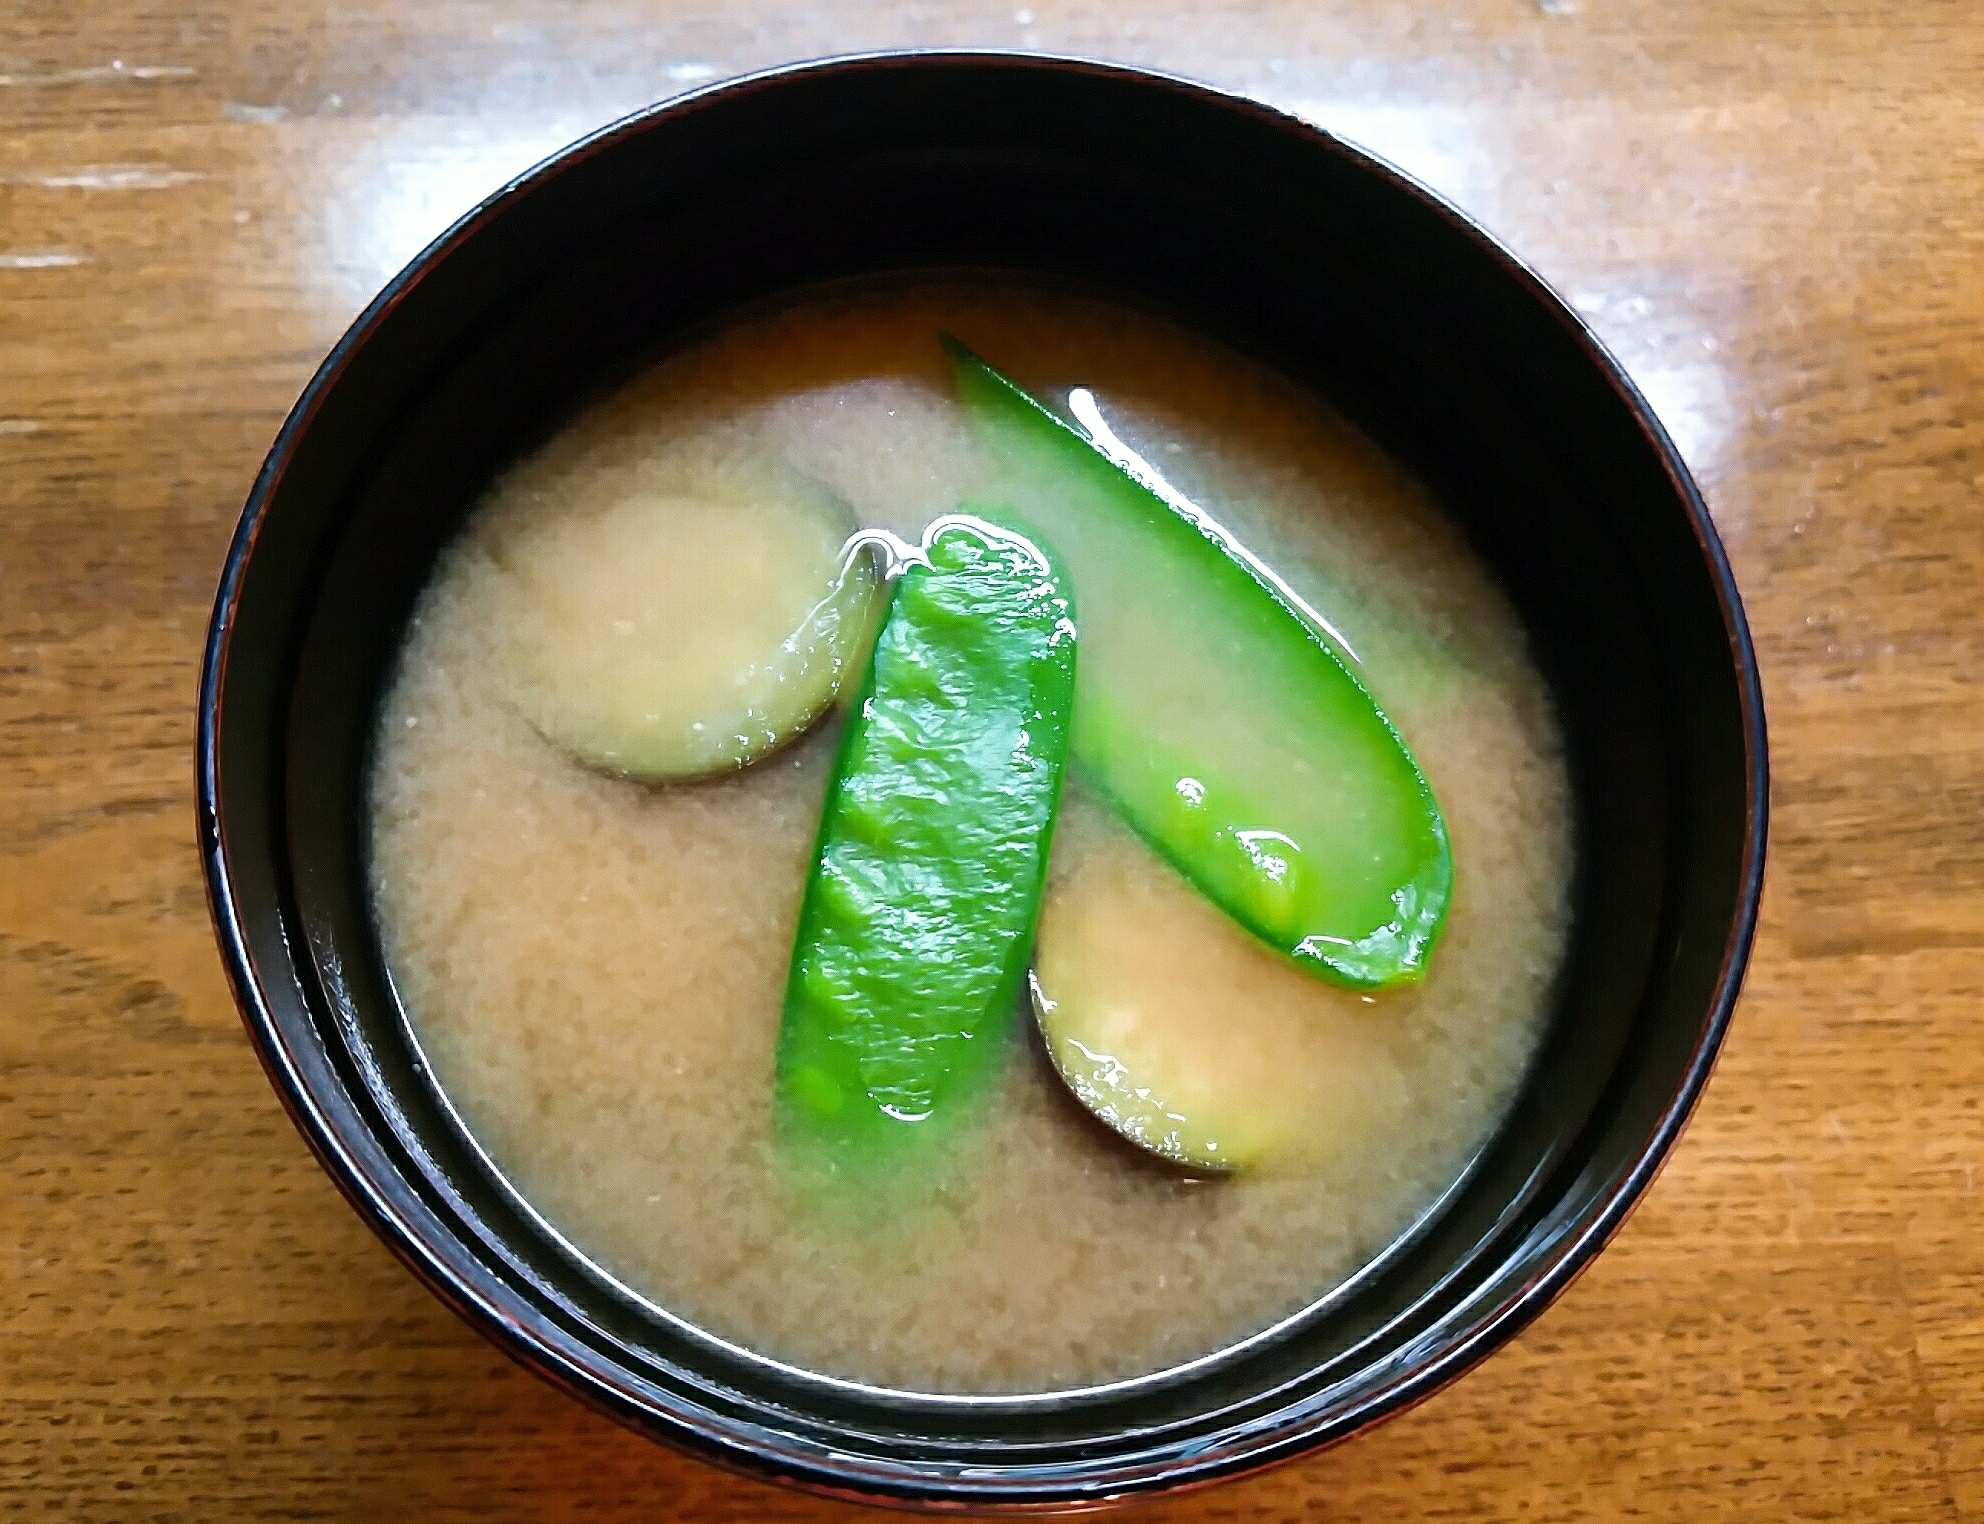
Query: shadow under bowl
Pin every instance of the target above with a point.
(1268, 232)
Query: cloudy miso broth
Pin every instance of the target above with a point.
(596, 967)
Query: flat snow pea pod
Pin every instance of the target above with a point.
(918, 917)
(1216, 720)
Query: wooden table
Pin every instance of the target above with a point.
(1770, 209)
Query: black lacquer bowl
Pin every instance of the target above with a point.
(1264, 230)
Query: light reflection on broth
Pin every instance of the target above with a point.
(595, 967)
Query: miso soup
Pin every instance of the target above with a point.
(596, 965)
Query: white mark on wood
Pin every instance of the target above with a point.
(19, 426)
(115, 72)
(106, 177)
(260, 116)
(40, 259)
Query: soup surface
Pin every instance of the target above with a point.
(595, 967)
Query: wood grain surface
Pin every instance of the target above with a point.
(1769, 208)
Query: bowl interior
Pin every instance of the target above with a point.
(1283, 242)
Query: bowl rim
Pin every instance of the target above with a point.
(706, 1435)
